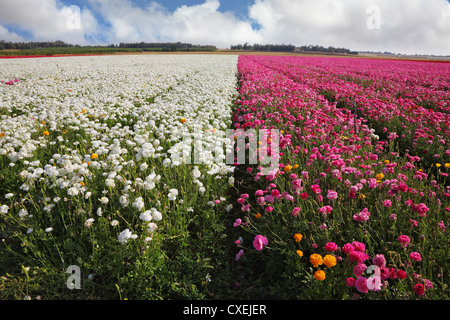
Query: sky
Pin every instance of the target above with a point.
(398, 26)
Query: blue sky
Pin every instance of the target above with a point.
(400, 26)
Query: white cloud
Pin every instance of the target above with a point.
(47, 20)
(406, 26)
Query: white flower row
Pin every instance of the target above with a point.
(124, 109)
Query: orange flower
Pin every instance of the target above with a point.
(329, 261)
(319, 275)
(2, 135)
(300, 253)
(258, 215)
(287, 168)
(298, 237)
(45, 133)
(183, 120)
(94, 156)
(316, 260)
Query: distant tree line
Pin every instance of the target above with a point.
(265, 47)
(167, 46)
(330, 49)
(162, 46)
(290, 48)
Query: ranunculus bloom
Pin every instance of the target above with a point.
(330, 246)
(415, 256)
(361, 285)
(351, 282)
(347, 248)
(259, 242)
(419, 289)
(401, 274)
(404, 240)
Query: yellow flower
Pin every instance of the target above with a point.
(379, 176)
(447, 165)
(319, 275)
(94, 156)
(329, 261)
(287, 168)
(300, 253)
(362, 196)
(438, 165)
(316, 260)
(83, 111)
(298, 237)
(183, 120)
(45, 133)
(82, 183)
(295, 166)
(386, 161)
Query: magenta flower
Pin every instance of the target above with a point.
(415, 256)
(331, 246)
(332, 195)
(259, 242)
(404, 240)
(361, 285)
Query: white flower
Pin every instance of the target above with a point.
(23, 213)
(146, 215)
(49, 229)
(156, 215)
(123, 200)
(87, 195)
(99, 212)
(152, 227)
(88, 222)
(173, 194)
(30, 230)
(114, 223)
(4, 209)
(104, 200)
(110, 183)
(124, 236)
(9, 195)
(72, 191)
(138, 203)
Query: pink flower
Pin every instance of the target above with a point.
(387, 203)
(347, 248)
(237, 222)
(332, 195)
(379, 260)
(351, 282)
(421, 209)
(374, 283)
(404, 240)
(259, 242)
(359, 246)
(361, 285)
(331, 246)
(362, 216)
(419, 289)
(401, 274)
(358, 257)
(415, 256)
(326, 209)
(359, 269)
(295, 211)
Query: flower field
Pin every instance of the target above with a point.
(118, 166)
(360, 201)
